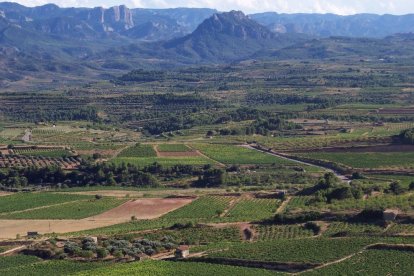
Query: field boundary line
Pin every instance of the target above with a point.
(207, 157)
(10, 251)
(41, 207)
(365, 248)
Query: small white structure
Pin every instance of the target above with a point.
(182, 252)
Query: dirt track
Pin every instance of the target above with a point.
(141, 209)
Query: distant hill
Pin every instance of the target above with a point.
(52, 44)
(227, 37)
(142, 24)
(326, 25)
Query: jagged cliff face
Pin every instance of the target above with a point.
(117, 18)
(235, 24)
(140, 24)
(61, 21)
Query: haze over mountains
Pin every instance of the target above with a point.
(47, 41)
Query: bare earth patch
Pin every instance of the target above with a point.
(5, 193)
(141, 209)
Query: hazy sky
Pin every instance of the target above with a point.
(344, 7)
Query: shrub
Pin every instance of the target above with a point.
(101, 253)
(86, 254)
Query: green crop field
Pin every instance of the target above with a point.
(353, 229)
(252, 209)
(28, 265)
(277, 232)
(295, 250)
(24, 201)
(403, 202)
(372, 262)
(231, 154)
(198, 235)
(203, 208)
(139, 151)
(173, 148)
(367, 159)
(164, 161)
(72, 210)
(164, 268)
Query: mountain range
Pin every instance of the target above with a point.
(59, 44)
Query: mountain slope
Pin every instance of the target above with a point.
(226, 37)
(325, 25)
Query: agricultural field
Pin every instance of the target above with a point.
(294, 250)
(277, 232)
(232, 154)
(54, 153)
(251, 209)
(158, 268)
(198, 235)
(357, 229)
(368, 160)
(173, 148)
(25, 201)
(21, 161)
(403, 202)
(139, 151)
(164, 161)
(372, 262)
(28, 265)
(72, 210)
(204, 208)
